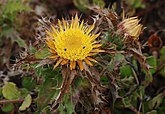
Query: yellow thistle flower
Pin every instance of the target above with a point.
(131, 27)
(72, 43)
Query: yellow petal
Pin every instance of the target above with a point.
(97, 50)
(59, 24)
(64, 61)
(72, 65)
(52, 51)
(55, 31)
(80, 64)
(76, 22)
(81, 25)
(57, 63)
(72, 22)
(91, 59)
(48, 33)
(64, 23)
(90, 29)
(97, 45)
(88, 62)
(91, 54)
(93, 37)
(50, 44)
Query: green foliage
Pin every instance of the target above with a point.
(10, 91)
(20, 42)
(156, 101)
(125, 70)
(8, 15)
(136, 3)
(116, 59)
(42, 54)
(28, 83)
(83, 5)
(24, 92)
(100, 3)
(162, 54)
(26, 103)
(152, 61)
(66, 107)
(161, 108)
(162, 61)
(0, 91)
(11, 9)
(51, 80)
(115, 39)
(7, 107)
(152, 112)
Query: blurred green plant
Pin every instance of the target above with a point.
(8, 17)
(13, 94)
(83, 5)
(136, 3)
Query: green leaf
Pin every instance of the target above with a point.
(7, 32)
(84, 83)
(138, 4)
(20, 42)
(115, 39)
(52, 79)
(10, 91)
(117, 59)
(26, 103)
(46, 110)
(7, 107)
(28, 83)
(100, 3)
(127, 102)
(162, 72)
(125, 71)
(1, 91)
(68, 107)
(42, 54)
(162, 60)
(12, 7)
(152, 61)
(152, 112)
(104, 80)
(24, 92)
(162, 54)
(81, 4)
(156, 101)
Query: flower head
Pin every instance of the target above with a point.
(72, 43)
(131, 27)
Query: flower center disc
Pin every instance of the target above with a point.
(73, 44)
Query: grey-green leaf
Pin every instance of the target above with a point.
(7, 107)
(26, 103)
(10, 91)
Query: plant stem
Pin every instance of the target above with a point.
(11, 101)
